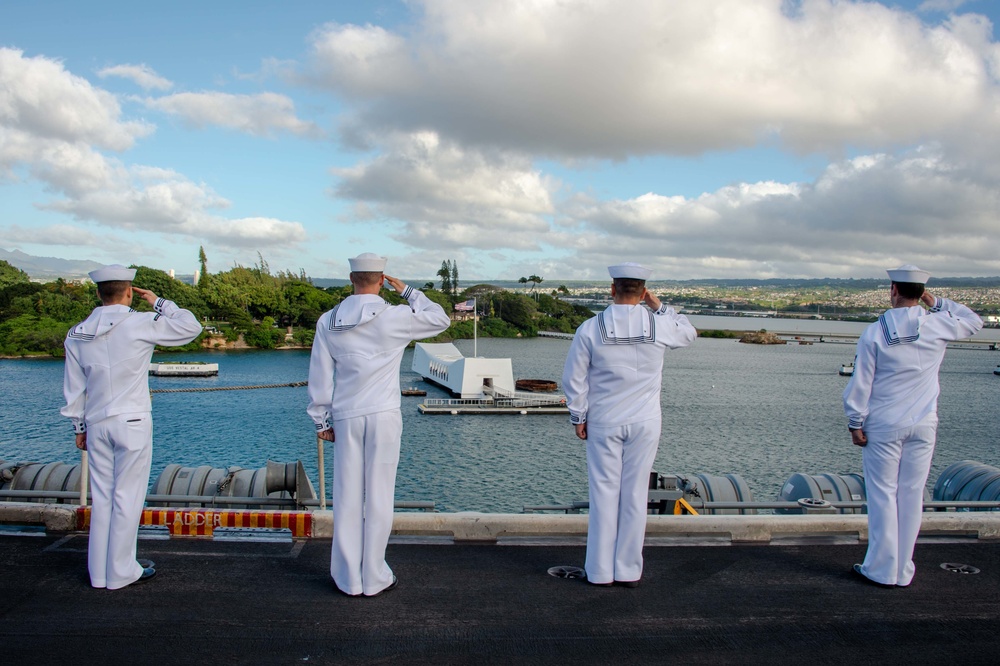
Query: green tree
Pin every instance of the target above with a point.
(203, 273)
(535, 281)
(264, 335)
(160, 283)
(306, 303)
(30, 333)
(445, 274)
(11, 275)
(8, 294)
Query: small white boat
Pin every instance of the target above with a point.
(184, 369)
(846, 370)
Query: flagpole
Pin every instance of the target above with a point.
(475, 329)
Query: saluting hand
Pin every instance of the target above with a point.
(928, 299)
(396, 284)
(146, 295)
(651, 300)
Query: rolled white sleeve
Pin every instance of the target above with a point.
(576, 378)
(858, 392)
(172, 325)
(962, 321)
(674, 330)
(429, 318)
(75, 391)
(321, 369)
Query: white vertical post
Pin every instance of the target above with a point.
(322, 474)
(475, 328)
(84, 477)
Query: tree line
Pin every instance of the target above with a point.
(258, 306)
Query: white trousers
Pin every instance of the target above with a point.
(120, 451)
(896, 465)
(619, 460)
(366, 454)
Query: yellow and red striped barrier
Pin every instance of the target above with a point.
(203, 522)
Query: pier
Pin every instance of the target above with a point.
(496, 401)
(269, 599)
(831, 338)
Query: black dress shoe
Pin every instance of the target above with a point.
(391, 586)
(856, 569)
(627, 583)
(147, 564)
(589, 582)
(147, 573)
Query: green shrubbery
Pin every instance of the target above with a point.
(252, 302)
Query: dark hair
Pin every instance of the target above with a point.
(909, 290)
(112, 290)
(365, 278)
(629, 286)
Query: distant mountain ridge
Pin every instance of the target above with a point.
(48, 268)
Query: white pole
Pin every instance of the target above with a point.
(475, 329)
(322, 474)
(84, 477)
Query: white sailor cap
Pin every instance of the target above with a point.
(629, 270)
(909, 273)
(113, 273)
(367, 263)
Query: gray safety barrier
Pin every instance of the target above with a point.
(280, 480)
(700, 488)
(830, 488)
(55, 476)
(276, 480)
(968, 480)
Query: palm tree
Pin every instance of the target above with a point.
(535, 281)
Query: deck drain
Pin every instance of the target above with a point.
(959, 568)
(567, 572)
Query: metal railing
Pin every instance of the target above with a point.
(174, 501)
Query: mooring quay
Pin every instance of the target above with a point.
(476, 588)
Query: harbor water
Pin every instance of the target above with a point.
(763, 412)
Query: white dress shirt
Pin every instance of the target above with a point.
(107, 359)
(614, 368)
(895, 380)
(354, 366)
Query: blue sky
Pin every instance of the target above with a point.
(718, 138)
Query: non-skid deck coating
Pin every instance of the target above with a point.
(216, 602)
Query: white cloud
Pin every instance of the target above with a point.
(858, 217)
(53, 125)
(611, 79)
(940, 5)
(38, 97)
(142, 75)
(263, 114)
(443, 196)
(53, 234)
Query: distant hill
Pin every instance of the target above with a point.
(48, 268)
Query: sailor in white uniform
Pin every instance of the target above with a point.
(612, 381)
(891, 407)
(354, 401)
(106, 387)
